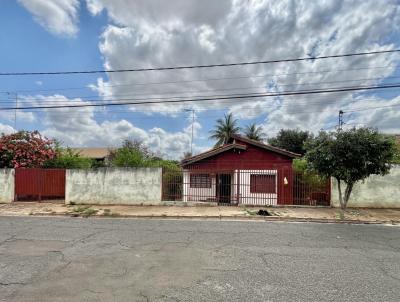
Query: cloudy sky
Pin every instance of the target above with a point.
(59, 35)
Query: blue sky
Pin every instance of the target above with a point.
(39, 35)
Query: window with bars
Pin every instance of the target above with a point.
(200, 181)
(262, 183)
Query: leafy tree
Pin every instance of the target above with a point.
(396, 159)
(254, 132)
(128, 157)
(291, 139)
(350, 156)
(300, 165)
(136, 154)
(25, 149)
(224, 129)
(68, 159)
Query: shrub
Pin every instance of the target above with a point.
(68, 159)
(25, 149)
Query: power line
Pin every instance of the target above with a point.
(63, 98)
(222, 102)
(199, 66)
(309, 101)
(209, 79)
(209, 98)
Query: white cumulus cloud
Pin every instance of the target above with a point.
(172, 33)
(59, 17)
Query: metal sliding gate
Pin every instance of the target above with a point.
(39, 184)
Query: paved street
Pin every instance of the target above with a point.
(74, 259)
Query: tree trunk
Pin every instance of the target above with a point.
(347, 193)
(340, 194)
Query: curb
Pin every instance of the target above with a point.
(227, 218)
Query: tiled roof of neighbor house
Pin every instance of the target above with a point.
(212, 152)
(235, 144)
(95, 153)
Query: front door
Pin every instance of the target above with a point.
(224, 188)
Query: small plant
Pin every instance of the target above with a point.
(89, 212)
(84, 211)
(80, 209)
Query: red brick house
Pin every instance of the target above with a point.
(243, 171)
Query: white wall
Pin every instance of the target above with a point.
(7, 185)
(198, 194)
(129, 186)
(246, 197)
(375, 192)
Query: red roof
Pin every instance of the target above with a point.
(213, 152)
(235, 144)
(265, 146)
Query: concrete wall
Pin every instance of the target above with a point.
(129, 186)
(375, 192)
(6, 185)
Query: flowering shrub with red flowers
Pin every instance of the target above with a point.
(25, 149)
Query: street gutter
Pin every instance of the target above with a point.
(225, 218)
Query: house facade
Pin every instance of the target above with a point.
(243, 171)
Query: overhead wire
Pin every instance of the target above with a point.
(205, 79)
(53, 99)
(208, 98)
(310, 58)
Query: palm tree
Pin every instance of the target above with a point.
(224, 129)
(254, 132)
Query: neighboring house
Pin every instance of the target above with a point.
(97, 154)
(243, 171)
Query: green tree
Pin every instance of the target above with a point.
(350, 156)
(134, 153)
(131, 154)
(396, 159)
(68, 159)
(224, 128)
(291, 139)
(254, 132)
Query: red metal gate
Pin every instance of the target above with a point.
(39, 184)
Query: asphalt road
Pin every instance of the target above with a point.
(77, 259)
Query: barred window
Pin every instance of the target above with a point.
(200, 181)
(262, 183)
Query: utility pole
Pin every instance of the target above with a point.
(340, 126)
(191, 140)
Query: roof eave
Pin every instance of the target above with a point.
(204, 155)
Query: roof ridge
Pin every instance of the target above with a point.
(211, 151)
(261, 143)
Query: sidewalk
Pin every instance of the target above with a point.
(279, 213)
